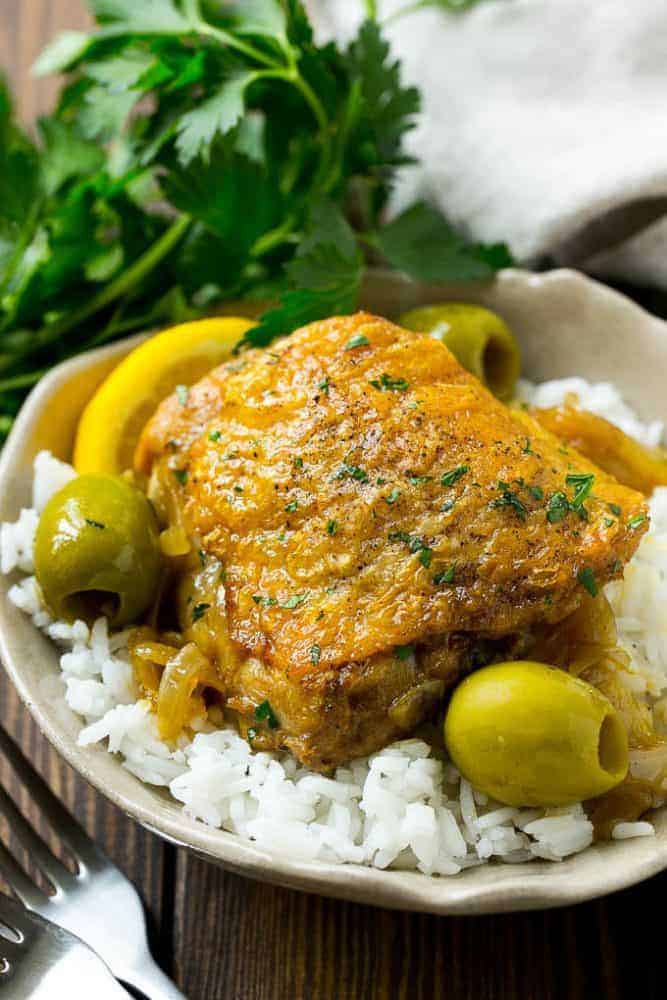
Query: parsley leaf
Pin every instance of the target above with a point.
(446, 576)
(199, 611)
(264, 711)
(358, 340)
(453, 476)
(583, 484)
(388, 384)
(423, 244)
(586, 578)
(558, 508)
(348, 471)
(393, 496)
(508, 498)
(295, 601)
(325, 274)
(140, 18)
(386, 109)
(218, 115)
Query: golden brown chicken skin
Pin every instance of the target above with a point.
(379, 518)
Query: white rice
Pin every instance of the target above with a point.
(402, 807)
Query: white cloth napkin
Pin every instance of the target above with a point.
(544, 124)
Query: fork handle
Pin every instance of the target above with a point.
(148, 978)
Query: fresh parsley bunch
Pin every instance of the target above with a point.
(201, 151)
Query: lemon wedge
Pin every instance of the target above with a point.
(112, 421)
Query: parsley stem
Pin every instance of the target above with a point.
(321, 117)
(21, 381)
(201, 26)
(22, 244)
(120, 285)
(409, 8)
(371, 10)
(273, 238)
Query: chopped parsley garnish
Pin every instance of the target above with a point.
(637, 521)
(453, 476)
(583, 483)
(615, 509)
(294, 602)
(608, 522)
(324, 386)
(315, 653)
(202, 557)
(510, 500)
(181, 475)
(359, 340)
(264, 711)
(419, 480)
(199, 611)
(425, 556)
(586, 578)
(264, 602)
(95, 524)
(388, 384)
(447, 506)
(415, 544)
(238, 489)
(332, 527)
(558, 508)
(404, 652)
(393, 496)
(182, 393)
(298, 463)
(536, 492)
(527, 450)
(446, 576)
(399, 536)
(291, 506)
(214, 436)
(352, 472)
(252, 732)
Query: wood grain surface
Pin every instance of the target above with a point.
(224, 937)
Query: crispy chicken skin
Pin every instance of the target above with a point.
(363, 492)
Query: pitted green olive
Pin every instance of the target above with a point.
(97, 550)
(531, 735)
(478, 339)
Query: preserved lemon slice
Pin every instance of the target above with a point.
(114, 418)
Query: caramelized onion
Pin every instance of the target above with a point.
(178, 700)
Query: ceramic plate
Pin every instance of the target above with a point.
(567, 325)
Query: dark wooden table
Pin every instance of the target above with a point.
(220, 936)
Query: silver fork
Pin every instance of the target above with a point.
(41, 961)
(98, 904)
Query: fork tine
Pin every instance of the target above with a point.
(52, 867)
(74, 837)
(23, 887)
(15, 916)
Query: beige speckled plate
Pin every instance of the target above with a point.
(567, 324)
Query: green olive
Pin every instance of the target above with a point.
(478, 339)
(97, 550)
(531, 735)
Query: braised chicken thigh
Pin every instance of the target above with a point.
(366, 521)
